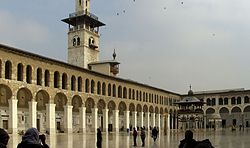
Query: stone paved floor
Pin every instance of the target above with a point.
(220, 139)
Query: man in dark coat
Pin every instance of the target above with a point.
(30, 139)
(188, 142)
(143, 136)
(4, 138)
(135, 136)
(99, 138)
(154, 133)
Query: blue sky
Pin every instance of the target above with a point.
(163, 43)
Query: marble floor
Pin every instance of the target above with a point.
(220, 139)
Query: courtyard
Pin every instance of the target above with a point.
(221, 139)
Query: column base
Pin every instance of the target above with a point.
(116, 130)
(51, 131)
(13, 131)
(68, 130)
(82, 130)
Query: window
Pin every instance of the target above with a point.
(209, 102)
(64, 81)
(103, 89)
(56, 79)
(73, 83)
(20, 72)
(98, 88)
(125, 92)
(109, 90)
(78, 41)
(119, 92)
(87, 85)
(213, 102)
(79, 80)
(29, 74)
(114, 90)
(47, 78)
(225, 101)
(233, 101)
(220, 101)
(238, 100)
(8, 70)
(80, 2)
(92, 86)
(246, 99)
(39, 76)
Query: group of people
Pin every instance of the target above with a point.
(143, 135)
(30, 139)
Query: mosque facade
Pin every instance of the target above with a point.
(85, 93)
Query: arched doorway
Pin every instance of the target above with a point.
(247, 114)
(42, 98)
(101, 105)
(5, 95)
(77, 104)
(122, 108)
(237, 116)
(24, 96)
(111, 115)
(224, 113)
(60, 100)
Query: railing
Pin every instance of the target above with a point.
(82, 13)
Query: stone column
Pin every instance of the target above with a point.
(83, 119)
(13, 116)
(168, 122)
(68, 119)
(50, 118)
(158, 118)
(153, 119)
(141, 119)
(126, 113)
(205, 122)
(116, 120)
(134, 119)
(147, 120)
(94, 119)
(32, 114)
(105, 119)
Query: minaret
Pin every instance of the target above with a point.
(83, 35)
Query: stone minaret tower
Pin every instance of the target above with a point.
(83, 35)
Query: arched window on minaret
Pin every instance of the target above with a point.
(80, 2)
(78, 41)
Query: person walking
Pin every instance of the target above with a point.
(43, 139)
(30, 139)
(99, 138)
(143, 136)
(154, 133)
(135, 136)
(4, 138)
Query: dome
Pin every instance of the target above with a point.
(190, 93)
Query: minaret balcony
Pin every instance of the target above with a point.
(80, 13)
